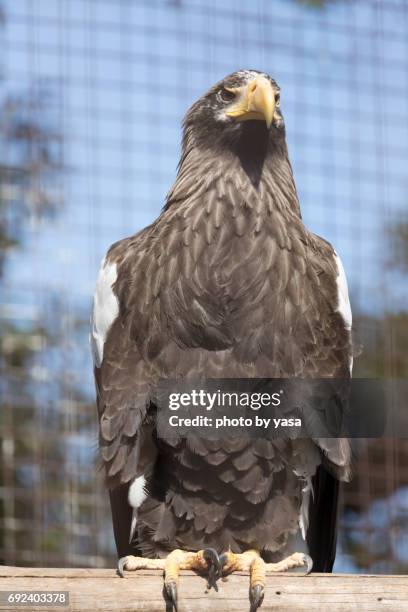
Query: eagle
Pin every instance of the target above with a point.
(226, 283)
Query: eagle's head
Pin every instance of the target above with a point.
(244, 106)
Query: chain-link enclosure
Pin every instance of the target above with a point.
(92, 94)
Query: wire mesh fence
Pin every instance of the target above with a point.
(92, 93)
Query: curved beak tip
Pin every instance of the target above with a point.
(268, 121)
(263, 101)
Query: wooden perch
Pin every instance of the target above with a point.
(142, 590)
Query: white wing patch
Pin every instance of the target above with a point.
(307, 491)
(343, 306)
(136, 497)
(308, 458)
(105, 309)
(137, 493)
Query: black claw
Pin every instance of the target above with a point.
(212, 579)
(171, 592)
(256, 596)
(214, 569)
(121, 567)
(308, 561)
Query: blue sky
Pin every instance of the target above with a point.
(124, 73)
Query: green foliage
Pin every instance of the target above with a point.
(384, 345)
(30, 162)
(18, 346)
(399, 242)
(315, 3)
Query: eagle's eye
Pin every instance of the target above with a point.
(277, 98)
(227, 95)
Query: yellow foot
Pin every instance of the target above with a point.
(252, 562)
(131, 564)
(206, 560)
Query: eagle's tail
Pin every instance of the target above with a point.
(323, 515)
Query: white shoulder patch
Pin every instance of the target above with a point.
(343, 305)
(105, 309)
(343, 302)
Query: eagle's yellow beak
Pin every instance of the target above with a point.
(256, 100)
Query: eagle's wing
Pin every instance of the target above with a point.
(122, 389)
(323, 506)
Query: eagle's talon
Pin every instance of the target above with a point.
(212, 579)
(214, 567)
(121, 567)
(256, 596)
(308, 561)
(171, 592)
